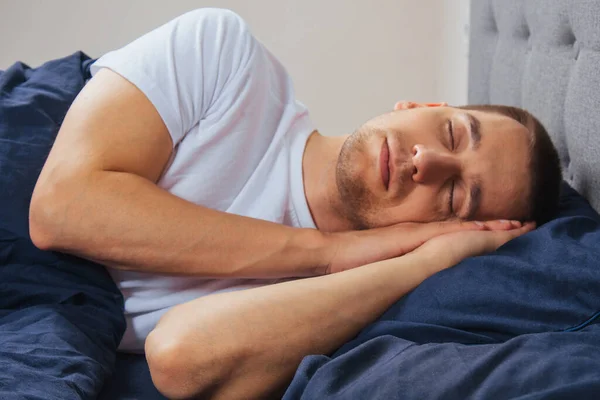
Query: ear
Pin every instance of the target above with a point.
(407, 105)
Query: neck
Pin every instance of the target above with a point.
(319, 170)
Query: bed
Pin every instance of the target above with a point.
(523, 322)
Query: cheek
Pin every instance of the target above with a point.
(419, 205)
(422, 205)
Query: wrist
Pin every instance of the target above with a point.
(313, 250)
(431, 260)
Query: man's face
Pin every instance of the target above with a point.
(434, 163)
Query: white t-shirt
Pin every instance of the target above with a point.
(238, 133)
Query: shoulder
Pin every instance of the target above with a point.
(218, 15)
(222, 16)
(221, 33)
(217, 23)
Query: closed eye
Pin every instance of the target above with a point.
(451, 198)
(451, 134)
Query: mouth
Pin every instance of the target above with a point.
(384, 164)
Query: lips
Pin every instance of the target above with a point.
(384, 159)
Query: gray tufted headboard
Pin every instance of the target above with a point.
(544, 56)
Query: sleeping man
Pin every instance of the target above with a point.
(187, 167)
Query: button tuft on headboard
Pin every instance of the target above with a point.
(491, 24)
(525, 32)
(568, 37)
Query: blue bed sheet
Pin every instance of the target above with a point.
(522, 323)
(131, 380)
(60, 317)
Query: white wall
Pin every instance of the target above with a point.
(350, 59)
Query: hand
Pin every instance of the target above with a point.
(447, 250)
(355, 248)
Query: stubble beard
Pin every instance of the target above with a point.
(355, 198)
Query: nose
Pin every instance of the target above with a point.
(432, 165)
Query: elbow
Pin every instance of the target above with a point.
(42, 214)
(46, 211)
(173, 373)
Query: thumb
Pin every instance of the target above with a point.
(508, 235)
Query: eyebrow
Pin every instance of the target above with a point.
(474, 199)
(475, 130)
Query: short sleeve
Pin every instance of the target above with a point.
(185, 65)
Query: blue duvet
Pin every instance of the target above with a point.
(60, 317)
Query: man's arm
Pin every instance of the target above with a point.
(248, 344)
(96, 197)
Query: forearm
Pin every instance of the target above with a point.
(127, 222)
(248, 344)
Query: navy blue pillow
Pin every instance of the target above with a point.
(536, 298)
(547, 280)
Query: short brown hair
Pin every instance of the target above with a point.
(546, 173)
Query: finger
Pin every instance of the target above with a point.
(413, 235)
(403, 105)
(442, 104)
(520, 231)
(514, 233)
(433, 229)
(529, 226)
(502, 225)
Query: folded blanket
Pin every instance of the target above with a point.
(60, 317)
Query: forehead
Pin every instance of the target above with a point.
(503, 164)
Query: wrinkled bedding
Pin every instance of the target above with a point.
(60, 317)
